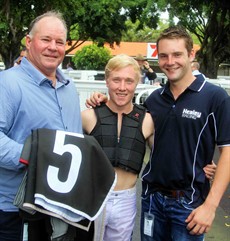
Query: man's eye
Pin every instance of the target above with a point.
(116, 80)
(60, 43)
(162, 56)
(129, 81)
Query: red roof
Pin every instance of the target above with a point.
(129, 48)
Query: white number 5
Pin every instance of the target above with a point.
(52, 172)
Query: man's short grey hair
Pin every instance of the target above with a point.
(196, 65)
(54, 14)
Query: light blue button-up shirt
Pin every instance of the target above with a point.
(28, 102)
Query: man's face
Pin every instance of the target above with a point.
(121, 86)
(174, 59)
(141, 63)
(46, 49)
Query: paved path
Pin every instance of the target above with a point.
(220, 230)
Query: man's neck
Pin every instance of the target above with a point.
(120, 109)
(178, 87)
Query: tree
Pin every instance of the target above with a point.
(104, 21)
(209, 20)
(146, 34)
(15, 17)
(100, 21)
(91, 57)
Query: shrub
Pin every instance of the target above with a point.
(91, 57)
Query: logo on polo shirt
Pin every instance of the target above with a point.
(191, 114)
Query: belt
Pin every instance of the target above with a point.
(171, 193)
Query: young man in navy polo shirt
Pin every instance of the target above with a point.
(191, 117)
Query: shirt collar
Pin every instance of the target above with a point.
(40, 78)
(196, 86)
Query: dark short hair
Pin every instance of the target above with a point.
(177, 32)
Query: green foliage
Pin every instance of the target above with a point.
(97, 20)
(105, 21)
(91, 57)
(209, 21)
(146, 34)
(101, 21)
(15, 17)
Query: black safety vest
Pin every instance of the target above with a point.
(126, 152)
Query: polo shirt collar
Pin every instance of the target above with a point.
(196, 86)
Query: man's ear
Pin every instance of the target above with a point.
(192, 55)
(28, 41)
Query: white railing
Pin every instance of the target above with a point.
(224, 83)
(142, 96)
(85, 74)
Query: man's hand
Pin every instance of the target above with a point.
(201, 219)
(95, 99)
(210, 170)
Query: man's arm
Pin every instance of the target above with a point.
(148, 129)
(151, 75)
(89, 120)
(150, 72)
(201, 219)
(10, 150)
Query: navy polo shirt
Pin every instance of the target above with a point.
(186, 133)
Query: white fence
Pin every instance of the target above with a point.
(222, 82)
(85, 74)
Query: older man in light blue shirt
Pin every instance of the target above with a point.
(30, 102)
(33, 95)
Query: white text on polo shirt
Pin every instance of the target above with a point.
(191, 114)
